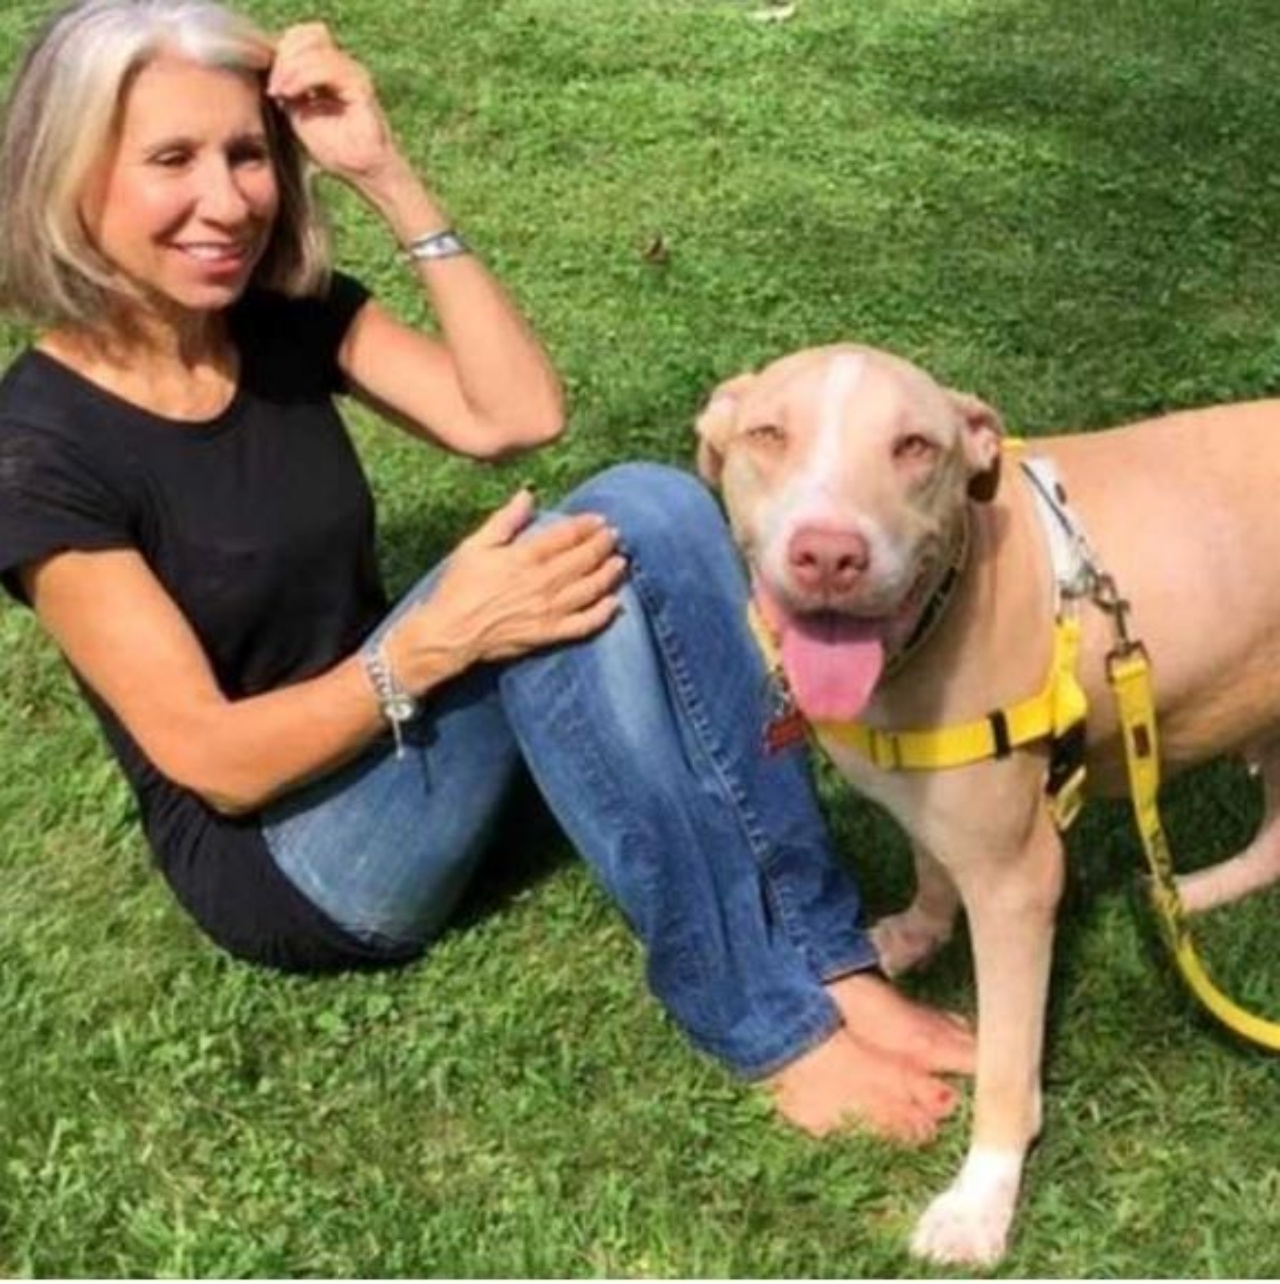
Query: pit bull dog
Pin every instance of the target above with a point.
(903, 577)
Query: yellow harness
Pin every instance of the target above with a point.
(1057, 714)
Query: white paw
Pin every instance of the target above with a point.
(963, 1228)
(968, 1224)
(908, 940)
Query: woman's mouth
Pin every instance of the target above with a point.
(217, 256)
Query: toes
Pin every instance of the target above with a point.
(903, 1122)
(942, 1043)
(912, 1108)
(938, 1098)
(846, 1084)
(883, 1017)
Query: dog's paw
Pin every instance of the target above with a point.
(908, 940)
(958, 1230)
(968, 1224)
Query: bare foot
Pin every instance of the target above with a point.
(844, 1083)
(881, 1016)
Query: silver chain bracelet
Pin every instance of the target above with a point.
(397, 704)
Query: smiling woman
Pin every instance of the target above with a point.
(65, 128)
(189, 198)
(181, 505)
(183, 209)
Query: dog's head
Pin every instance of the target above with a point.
(846, 473)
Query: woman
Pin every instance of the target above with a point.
(182, 508)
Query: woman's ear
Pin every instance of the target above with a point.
(982, 444)
(715, 422)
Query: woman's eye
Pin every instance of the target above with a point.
(250, 154)
(171, 159)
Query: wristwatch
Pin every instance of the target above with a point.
(446, 244)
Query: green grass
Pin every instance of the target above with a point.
(1071, 208)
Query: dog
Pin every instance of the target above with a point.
(902, 578)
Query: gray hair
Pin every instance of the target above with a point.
(62, 111)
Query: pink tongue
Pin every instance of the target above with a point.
(832, 664)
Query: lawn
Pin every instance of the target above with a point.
(1071, 208)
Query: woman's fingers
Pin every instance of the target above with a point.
(311, 76)
(292, 46)
(579, 559)
(582, 624)
(319, 71)
(578, 607)
(582, 590)
(571, 564)
(503, 524)
(302, 38)
(561, 536)
(514, 595)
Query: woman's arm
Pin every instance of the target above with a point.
(128, 640)
(488, 387)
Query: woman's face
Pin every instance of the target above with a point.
(184, 203)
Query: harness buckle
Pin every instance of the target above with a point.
(1002, 745)
(886, 750)
(1065, 785)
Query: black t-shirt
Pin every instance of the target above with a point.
(260, 525)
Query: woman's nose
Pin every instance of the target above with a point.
(222, 197)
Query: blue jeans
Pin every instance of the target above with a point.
(647, 743)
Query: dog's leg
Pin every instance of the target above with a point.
(1258, 865)
(910, 939)
(1011, 900)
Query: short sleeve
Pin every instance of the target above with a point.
(52, 499)
(345, 298)
(290, 346)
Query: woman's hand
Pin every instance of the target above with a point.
(500, 597)
(331, 104)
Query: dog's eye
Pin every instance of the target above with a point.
(766, 434)
(914, 447)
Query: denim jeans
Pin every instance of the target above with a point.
(647, 743)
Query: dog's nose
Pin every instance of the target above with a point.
(827, 561)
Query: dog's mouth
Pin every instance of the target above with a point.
(833, 659)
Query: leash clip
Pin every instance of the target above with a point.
(1106, 597)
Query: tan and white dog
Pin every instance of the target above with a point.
(853, 482)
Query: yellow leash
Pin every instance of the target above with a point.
(1129, 674)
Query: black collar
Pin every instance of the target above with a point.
(939, 600)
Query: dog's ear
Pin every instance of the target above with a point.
(715, 422)
(982, 444)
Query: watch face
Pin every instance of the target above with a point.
(400, 708)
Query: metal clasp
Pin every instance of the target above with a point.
(1106, 597)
